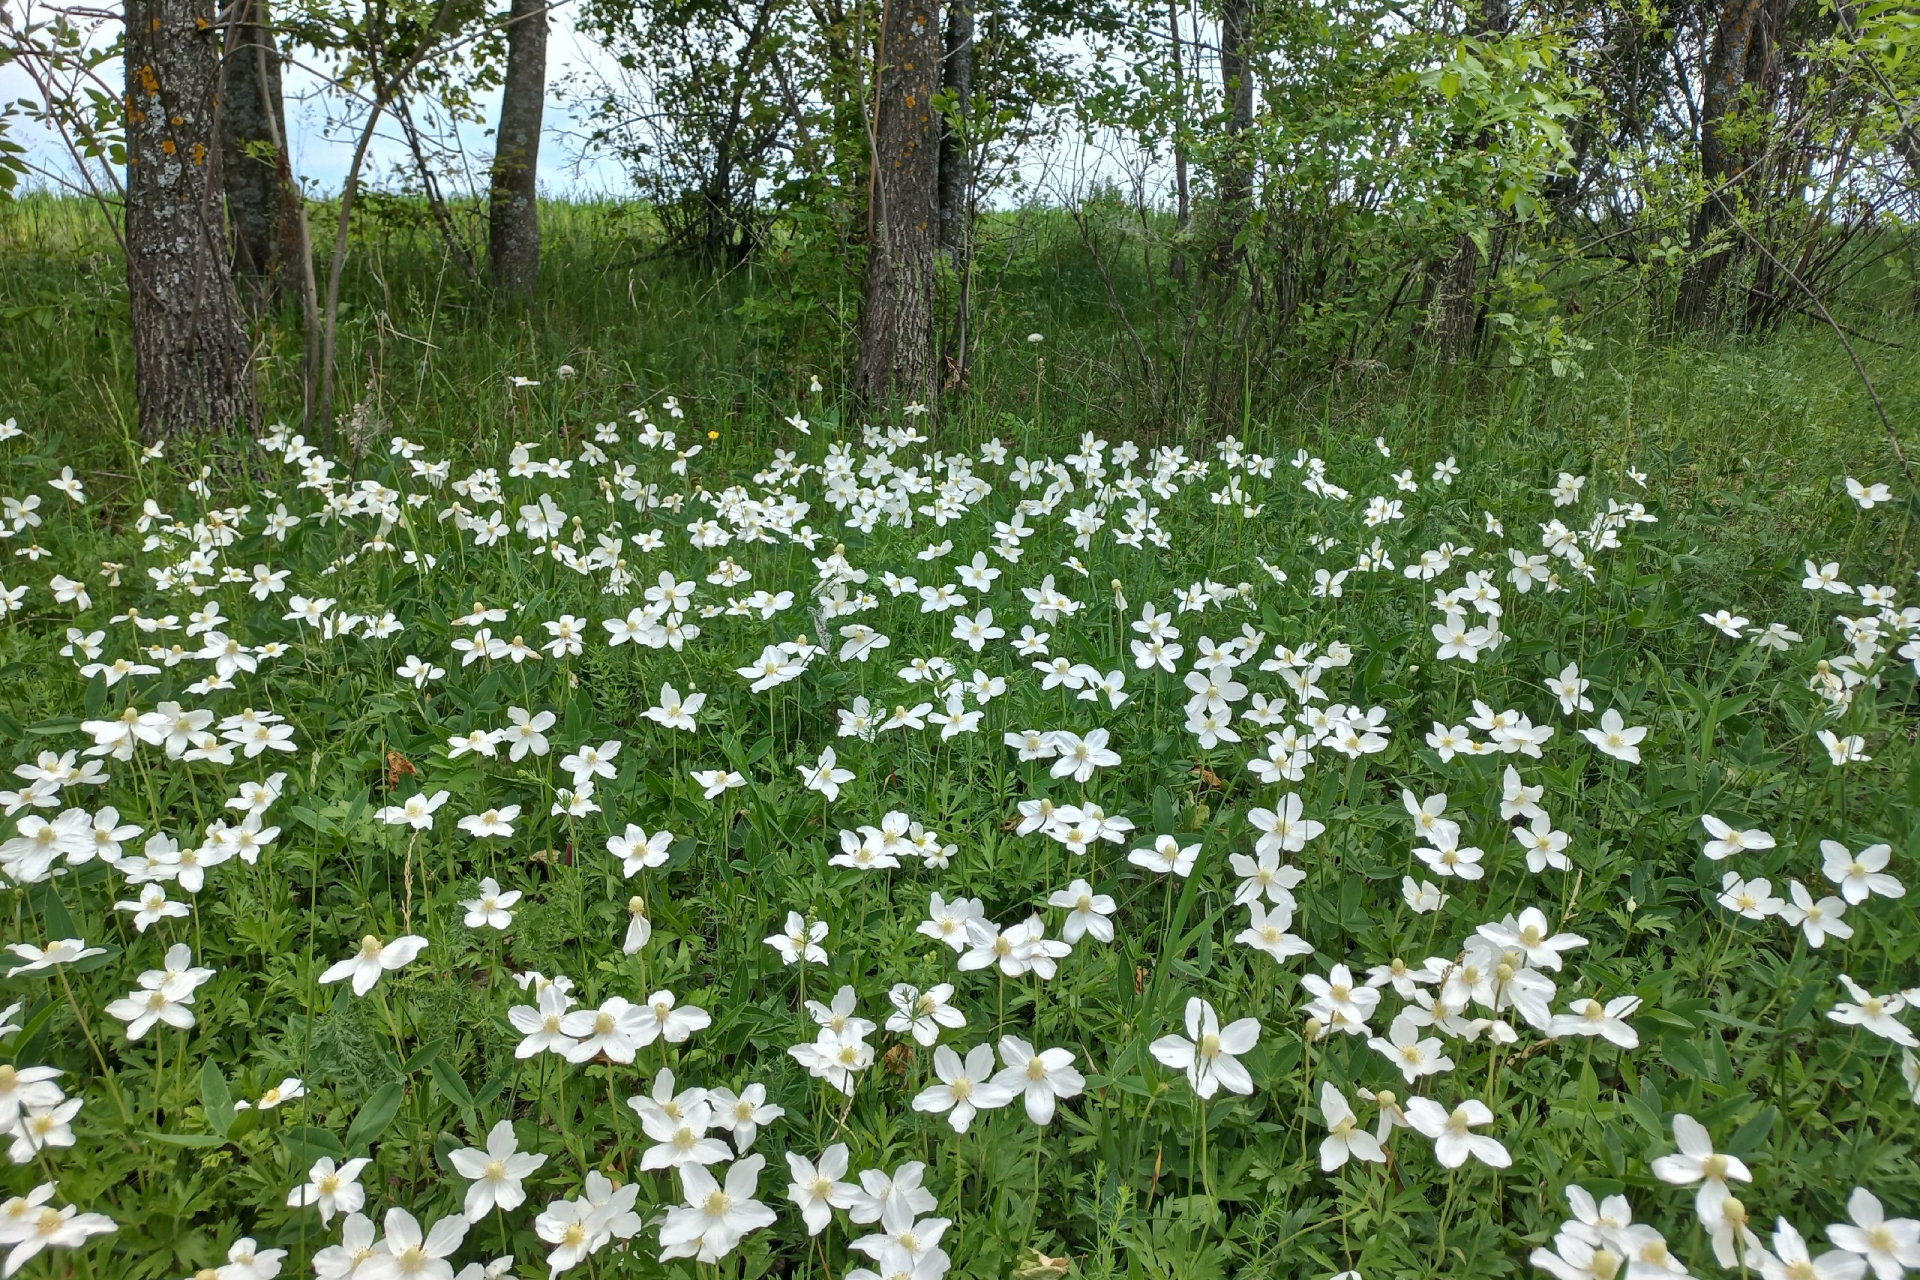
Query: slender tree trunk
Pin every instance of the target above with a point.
(956, 184)
(1456, 297)
(897, 322)
(254, 167)
(193, 368)
(513, 212)
(955, 157)
(1236, 82)
(1183, 204)
(1734, 37)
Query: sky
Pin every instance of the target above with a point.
(321, 158)
(1056, 169)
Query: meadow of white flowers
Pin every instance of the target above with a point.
(627, 854)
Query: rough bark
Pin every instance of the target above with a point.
(955, 158)
(1236, 82)
(192, 365)
(262, 202)
(1456, 296)
(1455, 300)
(1740, 59)
(513, 212)
(897, 321)
(1183, 208)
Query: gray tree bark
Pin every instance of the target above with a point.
(262, 202)
(1236, 82)
(1741, 55)
(513, 211)
(193, 368)
(1456, 298)
(954, 154)
(897, 321)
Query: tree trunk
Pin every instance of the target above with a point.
(956, 185)
(1738, 56)
(255, 169)
(896, 324)
(1456, 298)
(955, 156)
(513, 211)
(193, 369)
(1236, 82)
(1177, 261)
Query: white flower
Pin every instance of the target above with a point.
(63, 951)
(818, 1189)
(1405, 1049)
(1591, 1018)
(743, 1113)
(801, 941)
(1817, 920)
(1167, 857)
(492, 908)
(1728, 841)
(1868, 495)
(825, 777)
(490, 822)
(674, 712)
(331, 1188)
(1878, 1014)
(1208, 1052)
(1077, 757)
(1889, 1245)
(41, 1227)
(714, 1215)
(1041, 1078)
(373, 959)
(1615, 738)
(639, 851)
(416, 811)
(1843, 751)
(495, 1173)
(1696, 1161)
(1860, 875)
(1791, 1260)
(1089, 913)
(410, 1254)
(1345, 1138)
(966, 1087)
(1451, 1131)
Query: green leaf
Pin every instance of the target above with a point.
(424, 1055)
(376, 1115)
(1686, 1057)
(451, 1086)
(306, 1143)
(216, 1097)
(1644, 1115)
(491, 1089)
(187, 1139)
(1750, 1135)
(54, 916)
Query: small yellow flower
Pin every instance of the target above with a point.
(713, 435)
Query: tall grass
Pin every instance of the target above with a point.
(425, 349)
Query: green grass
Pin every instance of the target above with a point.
(1744, 445)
